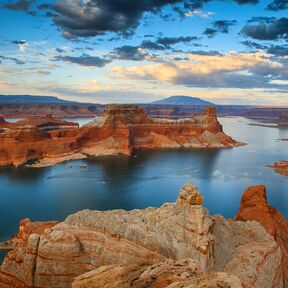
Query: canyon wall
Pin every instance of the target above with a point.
(254, 206)
(119, 130)
(271, 114)
(176, 245)
(56, 110)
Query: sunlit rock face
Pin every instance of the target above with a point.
(254, 206)
(176, 245)
(120, 130)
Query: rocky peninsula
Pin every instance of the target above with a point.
(177, 245)
(119, 130)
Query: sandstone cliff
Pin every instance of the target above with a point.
(120, 130)
(176, 245)
(254, 206)
(57, 110)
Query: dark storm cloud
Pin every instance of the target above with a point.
(84, 60)
(20, 5)
(96, 17)
(273, 30)
(220, 26)
(278, 5)
(15, 60)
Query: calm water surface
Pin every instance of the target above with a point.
(149, 178)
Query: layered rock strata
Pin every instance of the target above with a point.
(254, 206)
(176, 245)
(120, 130)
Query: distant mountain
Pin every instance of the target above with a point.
(29, 99)
(182, 100)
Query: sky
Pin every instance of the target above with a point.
(128, 51)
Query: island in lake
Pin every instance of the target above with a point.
(119, 130)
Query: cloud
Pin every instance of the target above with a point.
(151, 45)
(277, 50)
(199, 13)
(15, 60)
(22, 44)
(278, 5)
(89, 18)
(274, 30)
(220, 26)
(139, 53)
(261, 19)
(133, 53)
(84, 60)
(60, 50)
(233, 70)
(20, 5)
(206, 53)
(168, 41)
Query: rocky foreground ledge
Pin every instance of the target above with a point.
(120, 130)
(177, 245)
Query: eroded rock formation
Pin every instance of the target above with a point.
(176, 245)
(120, 130)
(254, 206)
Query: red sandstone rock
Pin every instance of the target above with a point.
(254, 206)
(27, 227)
(57, 110)
(120, 130)
(176, 245)
(47, 123)
(281, 167)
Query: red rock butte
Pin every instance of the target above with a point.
(119, 130)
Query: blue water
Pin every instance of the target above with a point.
(149, 178)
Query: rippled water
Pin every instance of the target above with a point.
(149, 178)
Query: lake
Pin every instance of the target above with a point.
(149, 178)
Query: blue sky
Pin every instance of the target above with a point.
(125, 51)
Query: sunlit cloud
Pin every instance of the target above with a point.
(239, 70)
(199, 13)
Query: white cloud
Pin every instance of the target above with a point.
(199, 13)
